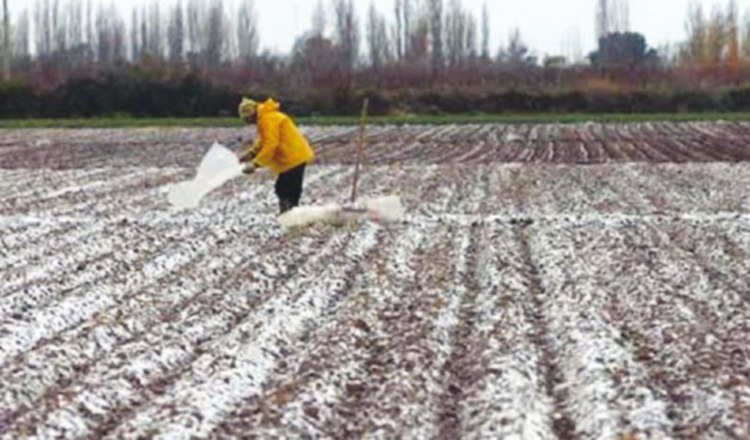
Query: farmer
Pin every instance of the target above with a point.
(279, 146)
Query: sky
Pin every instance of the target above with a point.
(547, 26)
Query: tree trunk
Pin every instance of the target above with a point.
(6, 41)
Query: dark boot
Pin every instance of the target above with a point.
(285, 205)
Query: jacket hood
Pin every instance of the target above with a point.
(267, 107)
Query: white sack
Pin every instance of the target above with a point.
(385, 209)
(306, 215)
(382, 209)
(219, 165)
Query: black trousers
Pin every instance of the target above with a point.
(289, 188)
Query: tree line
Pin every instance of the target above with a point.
(80, 57)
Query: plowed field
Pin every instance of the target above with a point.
(550, 281)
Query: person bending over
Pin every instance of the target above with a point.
(279, 146)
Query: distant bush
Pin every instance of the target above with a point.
(134, 92)
(17, 100)
(125, 91)
(736, 99)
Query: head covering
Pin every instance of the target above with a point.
(247, 108)
(269, 106)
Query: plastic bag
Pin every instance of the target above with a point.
(219, 165)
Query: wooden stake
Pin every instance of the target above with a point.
(360, 149)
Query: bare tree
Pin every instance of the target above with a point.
(145, 45)
(733, 41)
(56, 43)
(247, 31)
(697, 32)
(104, 38)
(746, 35)
(111, 34)
(155, 37)
(623, 18)
(195, 16)
(90, 34)
(6, 41)
(60, 24)
(378, 39)
(135, 39)
(717, 37)
(398, 30)
(75, 23)
(603, 19)
(176, 34)
(485, 32)
(455, 32)
(373, 23)
(436, 33)
(64, 10)
(21, 44)
(406, 22)
(43, 38)
(118, 34)
(572, 46)
(471, 36)
(516, 53)
(215, 40)
(612, 16)
(346, 32)
(419, 40)
(319, 19)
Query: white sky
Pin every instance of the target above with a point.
(547, 26)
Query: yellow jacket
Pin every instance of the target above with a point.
(280, 145)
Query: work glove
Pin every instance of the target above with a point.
(249, 152)
(250, 168)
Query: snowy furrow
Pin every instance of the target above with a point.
(117, 239)
(17, 336)
(402, 388)
(608, 391)
(25, 231)
(75, 350)
(77, 199)
(29, 183)
(87, 263)
(498, 200)
(116, 203)
(9, 179)
(689, 331)
(311, 392)
(623, 181)
(170, 335)
(94, 184)
(510, 401)
(44, 247)
(85, 229)
(239, 364)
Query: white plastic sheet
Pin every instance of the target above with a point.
(219, 165)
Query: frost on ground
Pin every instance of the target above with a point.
(545, 283)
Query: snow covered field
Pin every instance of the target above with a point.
(580, 281)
